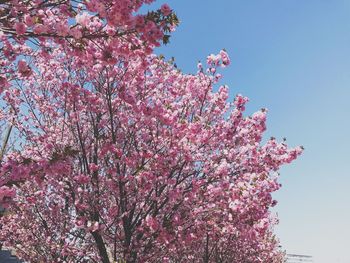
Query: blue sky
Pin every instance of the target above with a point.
(292, 57)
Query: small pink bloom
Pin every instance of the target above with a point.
(82, 179)
(23, 68)
(76, 33)
(93, 167)
(83, 19)
(3, 83)
(20, 28)
(224, 58)
(6, 193)
(152, 223)
(139, 20)
(62, 29)
(165, 9)
(39, 29)
(29, 20)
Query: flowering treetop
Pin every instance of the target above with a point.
(119, 154)
(137, 160)
(94, 29)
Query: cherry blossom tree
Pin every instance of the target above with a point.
(121, 156)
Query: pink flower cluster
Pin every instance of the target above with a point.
(6, 194)
(222, 59)
(78, 27)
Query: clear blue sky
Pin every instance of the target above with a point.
(292, 57)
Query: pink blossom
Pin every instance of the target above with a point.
(76, 33)
(23, 68)
(83, 19)
(166, 10)
(6, 192)
(20, 28)
(29, 20)
(152, 223)
(62, 29)
(225, 58)
(39, 29)
(82, 179)
(3, 84)
(93, 167)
